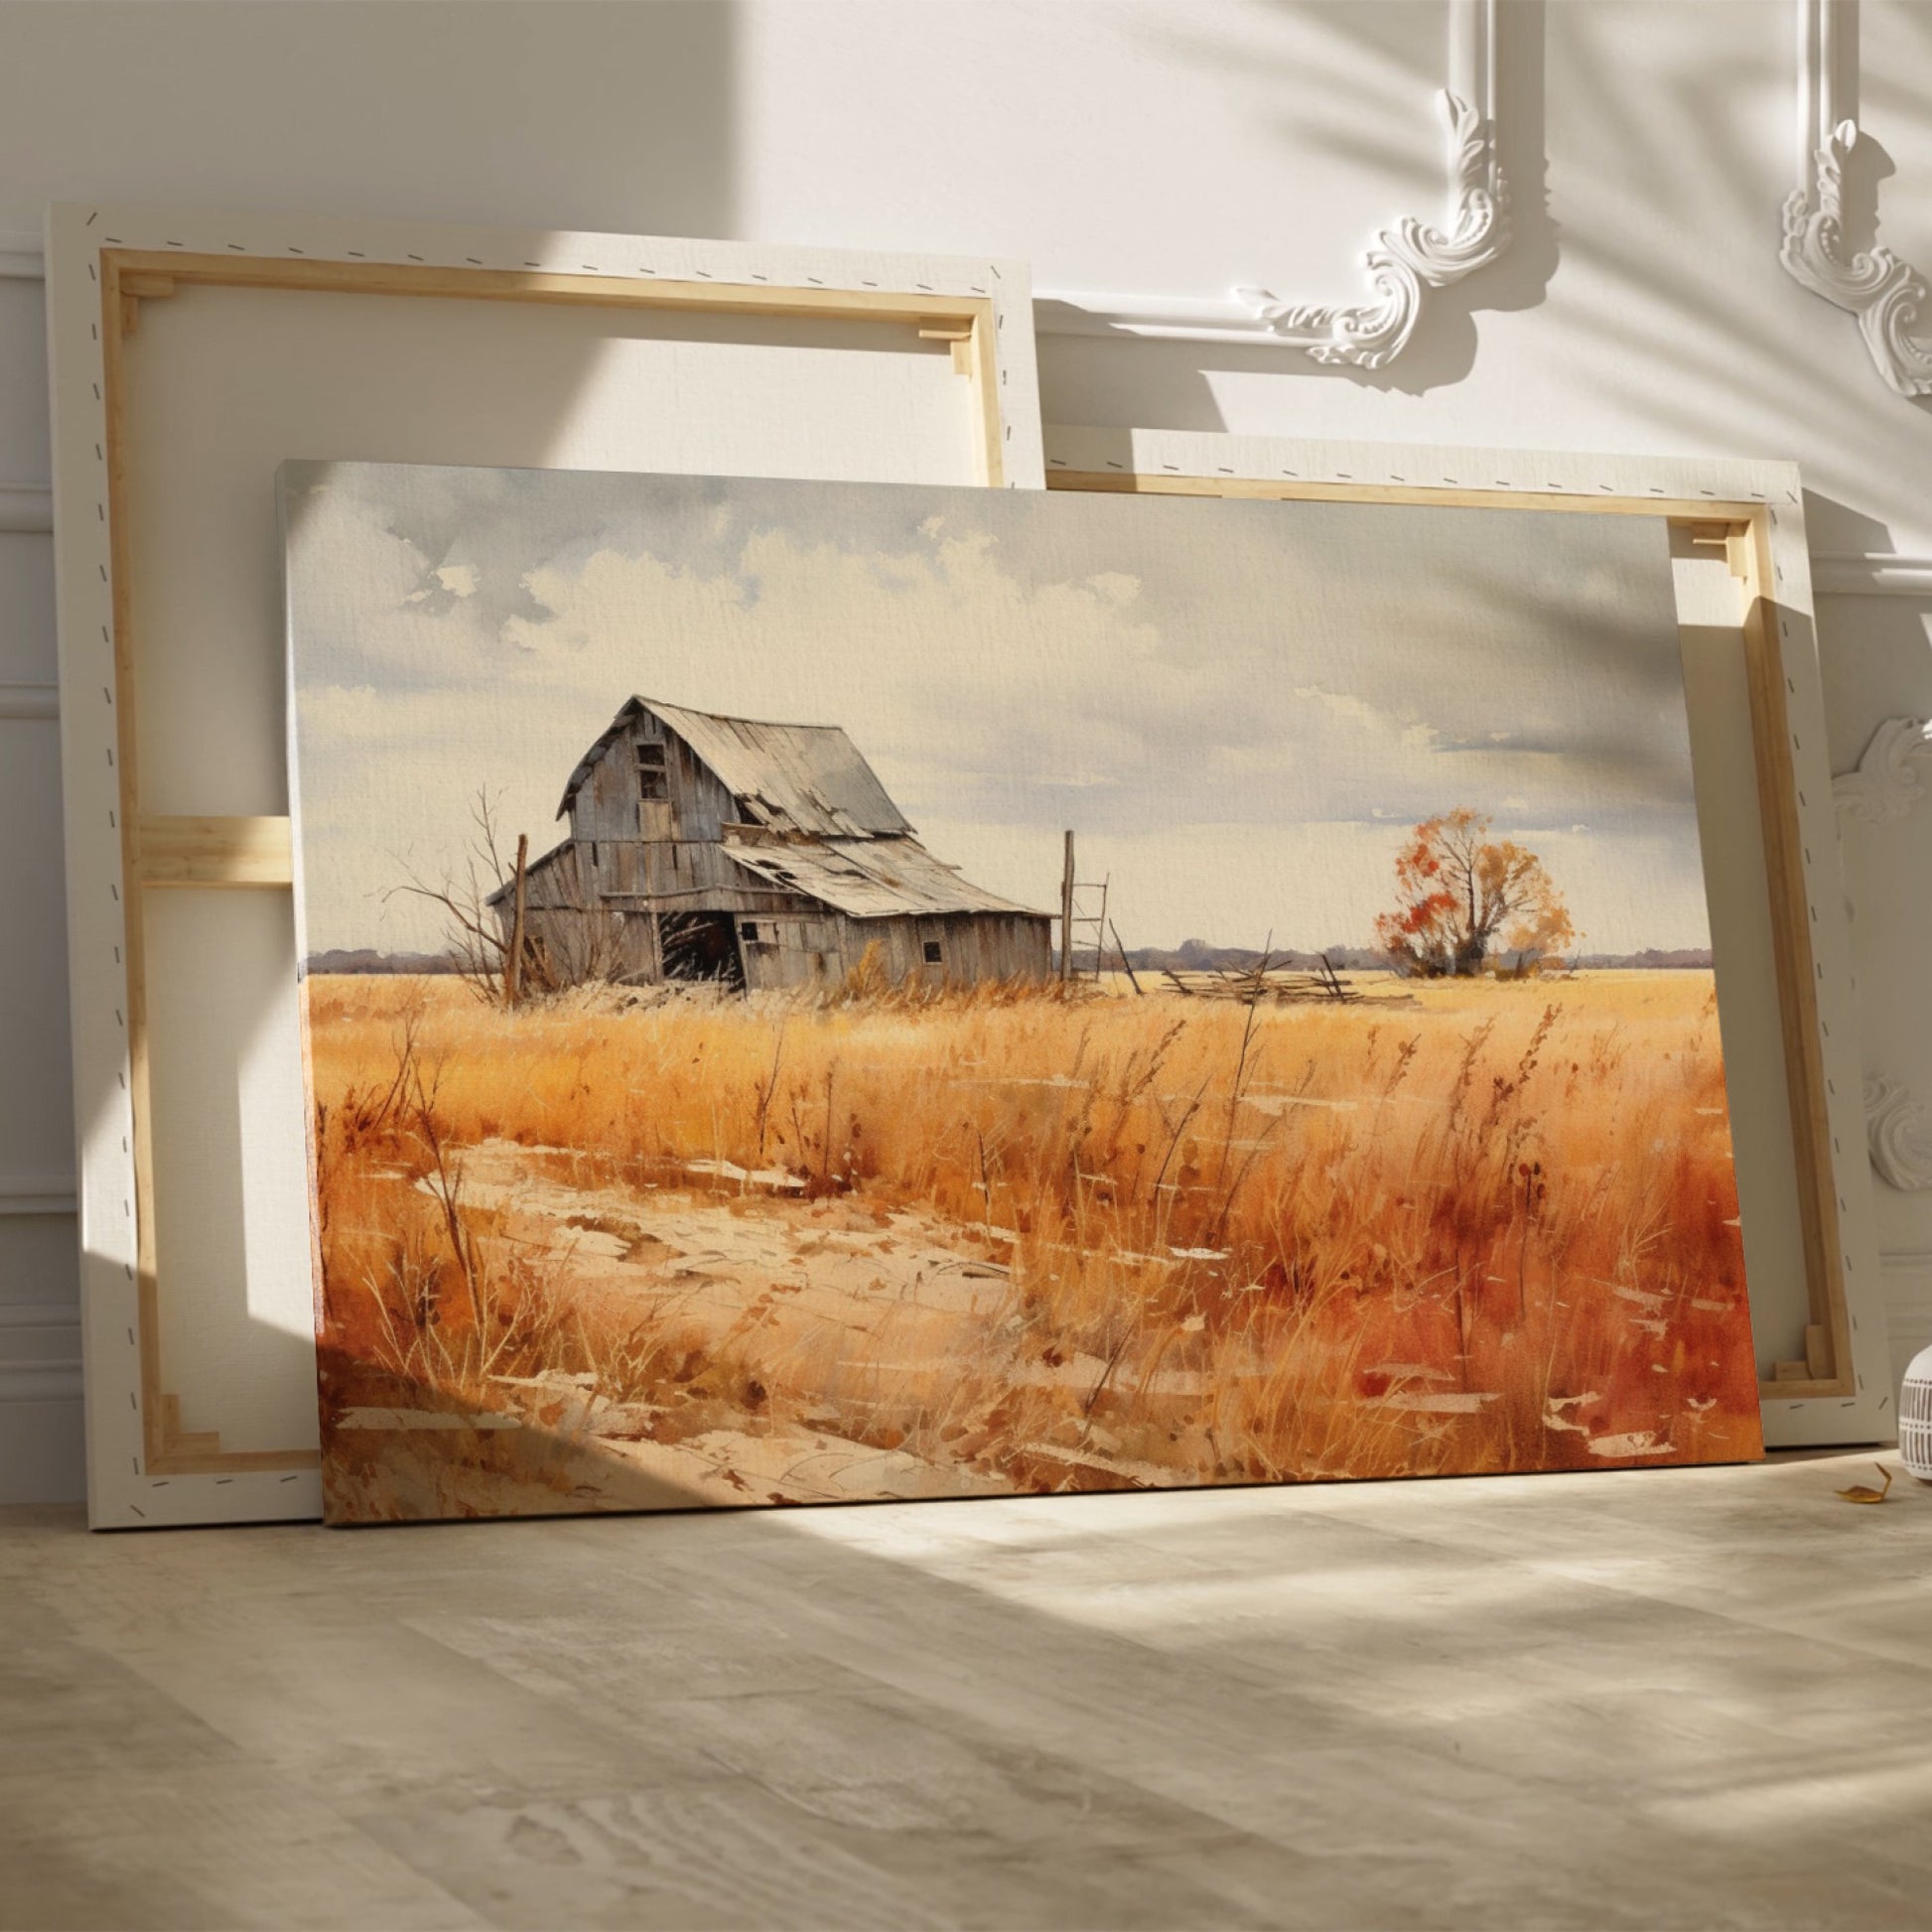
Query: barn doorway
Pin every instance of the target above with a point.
(701, 946)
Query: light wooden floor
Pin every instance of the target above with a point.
(1669, 1697)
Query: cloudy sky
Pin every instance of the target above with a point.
(1239, 706)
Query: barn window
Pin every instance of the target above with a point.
(652, 780)
(932, 952)
(749, 929)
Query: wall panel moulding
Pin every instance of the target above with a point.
(1815, 1276)
(197, 1317)
(20, 257)
(25, 508)
(1887, 294)
(1887, 785)
(29, 701)
(37, 1193)
(1406, 262)
(1871, 573)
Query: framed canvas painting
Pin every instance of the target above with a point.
(1776, 891)
(191, 351)
(826, 992)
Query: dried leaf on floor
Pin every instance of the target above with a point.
(1863, 1492)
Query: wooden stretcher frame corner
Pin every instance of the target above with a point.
(1752, 513)
(103, 266)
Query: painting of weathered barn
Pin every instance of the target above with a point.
(1225, 1220)
(753, 855)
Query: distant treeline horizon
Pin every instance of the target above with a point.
(1198, 956)
(1190, 957)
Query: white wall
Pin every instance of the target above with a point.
(1177, 146)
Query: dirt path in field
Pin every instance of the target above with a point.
(740, 1294)
(739, 1257)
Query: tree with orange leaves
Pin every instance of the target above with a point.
(1465, 895)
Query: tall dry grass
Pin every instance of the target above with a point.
(1483, 1232)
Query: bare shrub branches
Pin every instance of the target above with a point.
(504, 956)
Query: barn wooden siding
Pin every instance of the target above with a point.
(973, 947)
(633, 862)
(793, 942)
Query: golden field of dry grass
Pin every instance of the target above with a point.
(685, 1249)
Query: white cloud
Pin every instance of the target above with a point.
(1242, 756)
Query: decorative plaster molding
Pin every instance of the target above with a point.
(1887, 294)
(1886, 784)
(1405, 262)
(1898, 1130)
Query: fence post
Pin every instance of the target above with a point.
(513, 966)
(1067, 913)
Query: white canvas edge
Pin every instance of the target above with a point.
(1868, 1414)
(120, 1494)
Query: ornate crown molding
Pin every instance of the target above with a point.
(1887, 294)
(1886, 784)
(1898, 1130)
(1405, 262)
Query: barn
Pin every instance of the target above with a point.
(753, 855)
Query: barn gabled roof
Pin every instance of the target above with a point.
(808, 778)
(868, 879)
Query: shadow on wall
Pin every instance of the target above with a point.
(434, 115)
(1708, 341)
(1350, 118)
(1680, 226)
(1444, 348)
(445, 125)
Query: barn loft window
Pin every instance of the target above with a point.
(652, 781)
(748, 931)
(932, 952)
